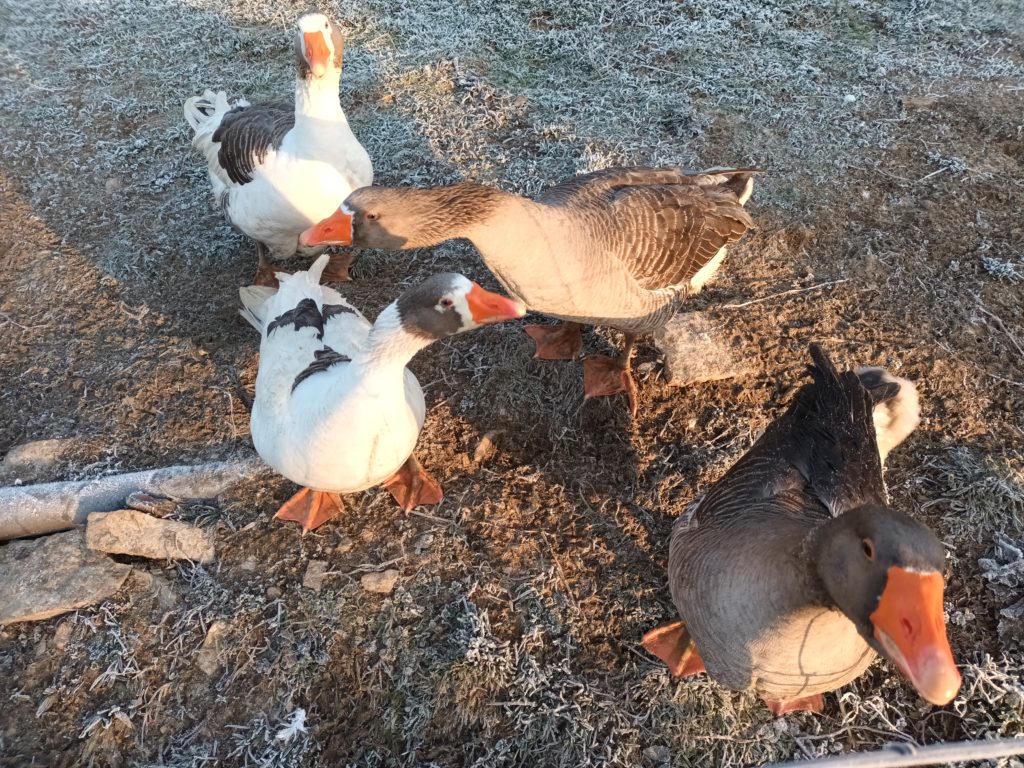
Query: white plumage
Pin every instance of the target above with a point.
(276, 170)
(343, 429)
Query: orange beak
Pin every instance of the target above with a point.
(336, 229)
(909, 627)
(487, 307)
(317, 53)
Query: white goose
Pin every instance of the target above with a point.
(336, 410)
(277, 169)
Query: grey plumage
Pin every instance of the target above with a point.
(743, 567)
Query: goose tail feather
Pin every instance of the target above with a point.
(897, 414)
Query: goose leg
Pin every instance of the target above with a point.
(609, 376)
(265, 272)
(337, 268)
(310, 508)
(556, 342)
(412, 486)
(672, 644)
(815, 703)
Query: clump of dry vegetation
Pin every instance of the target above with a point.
(892, 141)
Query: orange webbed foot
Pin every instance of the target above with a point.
(336, 270)
(606, 376)
(556, 342)
(412, 486)
(672, 644)
(310, 508)
(815, 703)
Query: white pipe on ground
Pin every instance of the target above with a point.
(34, 509)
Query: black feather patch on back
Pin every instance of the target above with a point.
(306, 314)
(246, 134)
(834, 437)
(330, 310)
(322, 360)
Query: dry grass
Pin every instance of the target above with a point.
(891, 135)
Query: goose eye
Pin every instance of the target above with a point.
(447, 303)
(869, 548)
(372, 216)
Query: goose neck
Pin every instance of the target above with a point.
(389, 344)
(316, 98)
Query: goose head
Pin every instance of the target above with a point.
(449, 303)
(393, 218)
(884, 571)
(318, 45)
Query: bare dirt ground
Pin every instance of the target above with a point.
(892, 135)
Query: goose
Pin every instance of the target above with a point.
(276, 169)
(620, 247)
(335, 409)
(793, 571)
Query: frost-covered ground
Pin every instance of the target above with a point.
(891, 137)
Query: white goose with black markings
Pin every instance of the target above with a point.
(336, 410)
(276, 169)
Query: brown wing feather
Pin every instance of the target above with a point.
(596, 184)
(674, 230)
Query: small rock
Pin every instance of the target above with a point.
(54, 574)
(381, 582)
(422, 543)
(30, 461)
(345, 543)
(208, 656)
(156, 588)
(62, 635)
(249, 564)
(918, 102)
(657, 754)
(694, 352)
(112, 184)
(485, 449)
(273, 593)
(127, 532)
(316, 572)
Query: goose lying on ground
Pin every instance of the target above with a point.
(620, 247)
(792, 571)
(336, 410)
(276, 169)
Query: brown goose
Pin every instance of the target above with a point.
(620, 247)
(792, 571)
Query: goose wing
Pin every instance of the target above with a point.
(247, 133)
(668, 232)
(597, 184)
(819, 459)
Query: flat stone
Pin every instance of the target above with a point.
(127, 532)
(486, 448)
(381, 582)
(695, 352)
(29, 462)
(52, 575)
(207, 658)
(316, 572)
